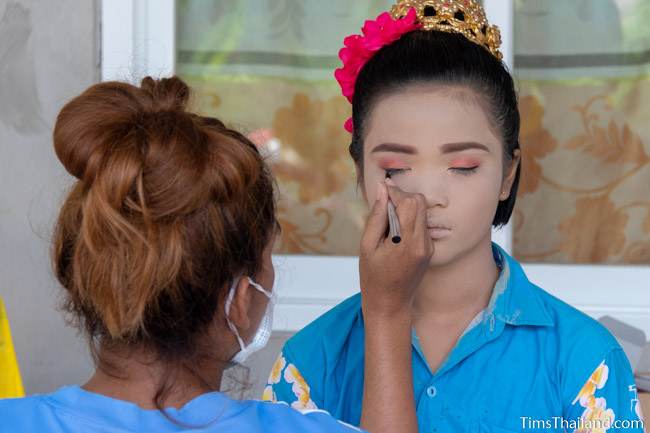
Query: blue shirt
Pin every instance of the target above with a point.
(529, 362)
(73, 410)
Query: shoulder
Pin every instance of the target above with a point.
(571, 327)
(574, 327)
(23, 414)
(318, 351)
(329, 331)
(281, 417)
(22, 405)
(581, 342)
(536, 306)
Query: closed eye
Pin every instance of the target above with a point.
(464, 170)
(390, 172)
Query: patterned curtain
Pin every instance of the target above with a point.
(583, 68)
(584, 74)
(266, 67)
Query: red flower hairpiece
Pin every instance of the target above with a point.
(359, 49)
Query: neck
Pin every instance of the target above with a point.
(137, 377)
(449, 292)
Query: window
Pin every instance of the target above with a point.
(280, 54)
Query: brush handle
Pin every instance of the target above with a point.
(393, 224)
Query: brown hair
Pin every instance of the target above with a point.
(169, 207)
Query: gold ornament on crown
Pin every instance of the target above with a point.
(466, 17)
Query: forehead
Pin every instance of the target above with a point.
(426, 116)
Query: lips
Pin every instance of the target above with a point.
(433, 224)
(438, 231)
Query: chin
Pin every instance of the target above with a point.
(444, 252)
(456, 247)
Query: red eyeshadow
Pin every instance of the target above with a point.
(465, 163)
(391, 163)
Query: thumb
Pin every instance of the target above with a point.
(377, 222)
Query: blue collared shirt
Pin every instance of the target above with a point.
(528, 362)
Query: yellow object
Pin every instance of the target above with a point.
(10, 383)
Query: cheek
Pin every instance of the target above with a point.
(271, 277)
(477, 197)
(267, 276)
(371, 176)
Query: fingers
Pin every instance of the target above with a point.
(422, 244)
(396, 195)
(411, 210)
(377, 220)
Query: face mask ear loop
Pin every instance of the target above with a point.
(260, 288)
(229, 299)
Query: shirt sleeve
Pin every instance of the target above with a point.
(608, 401)
(286, 384)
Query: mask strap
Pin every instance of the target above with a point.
(260, 288)
(229, 299)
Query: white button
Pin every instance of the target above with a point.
(432, 391)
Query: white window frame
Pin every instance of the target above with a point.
(138, 39)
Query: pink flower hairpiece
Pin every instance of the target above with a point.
(358, 49)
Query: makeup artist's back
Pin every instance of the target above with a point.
(171, 215)
(74, 410)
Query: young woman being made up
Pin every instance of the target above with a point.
(468, 344)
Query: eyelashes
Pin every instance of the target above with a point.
(465, 171)
(390, 172)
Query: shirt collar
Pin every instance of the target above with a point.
(515, 300)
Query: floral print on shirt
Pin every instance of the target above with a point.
(285, 377)
(596, 417)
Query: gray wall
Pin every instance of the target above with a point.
(48, 54)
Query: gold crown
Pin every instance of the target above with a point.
(466, 17)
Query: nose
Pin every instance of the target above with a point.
(433, 186)
(436, 191)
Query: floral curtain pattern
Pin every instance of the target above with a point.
(583, 71)
(266, 67)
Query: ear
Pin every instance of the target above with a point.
(241, 305)
(509, 178)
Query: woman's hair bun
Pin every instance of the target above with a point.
(93, 125)
(167, 94)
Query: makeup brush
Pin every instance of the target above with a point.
(393, 221)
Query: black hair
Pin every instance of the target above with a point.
(434, 57)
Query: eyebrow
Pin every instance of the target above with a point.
(445, 149)
(459, 147)
(397, 148)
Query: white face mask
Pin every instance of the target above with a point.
(266, 325)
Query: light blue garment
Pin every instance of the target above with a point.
(529, 362)
(73, 410)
